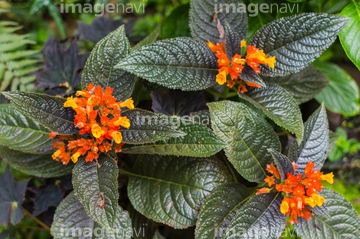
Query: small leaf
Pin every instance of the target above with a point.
(35, 164)
(147, 127)
(296, 41)
(20, 132)
(342, 94)
(93, 183)
(248, 74)
(11, 198)
(350, 34)
(171, 190)
(278, 105)
(315, 143)
(203, 13)
(344, 222)
(150, 39)
(47, 110)
(283, 164)
(258, 218)
(248, 137)
(304, 85)
(99, 68)
(215, 215)
(232, 42)
(178, 63)
(71, 221)
(199, 141)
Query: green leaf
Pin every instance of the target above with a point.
(296, 41)
(177, 23)
(344, 222)
(233, 43)
(342, 94)
(248, 74)
(11, 198)
(178, 63)
(315, 143)
(150, 39)
(278, 105)
(92, 183)
(199, 141)
(349, 36)
(283, 164)
(71, 221)
(171, 190)
(215, 215)
(35, 164)
(147, 127)
(248, 137)
(99, 68)
(20, 132)
(304, 85)
(202, 14)
(258, 218)
(333, 138)
(47, 110)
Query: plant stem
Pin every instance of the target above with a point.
(27, 213)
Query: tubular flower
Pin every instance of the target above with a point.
(300, 191)
(99, 121)
(230, 69)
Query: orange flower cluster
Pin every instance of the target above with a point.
(254, 57)
(99, 120)
(300, 191)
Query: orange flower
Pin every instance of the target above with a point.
(300, 191)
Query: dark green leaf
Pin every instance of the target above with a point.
(278, 105)
(177, 23)
(203, 13)
(143, 227)
(99, 68)
(199, 141)
(349, 36)
(315, 143)
(35, 164)
(258, 218)
(344, 222)
(71, 221)
(342, 94)
(304, 85)
(11, 198)
(333, 138)
(45, 197)
(147, 127)
(296, 41)
(20, 132)
(47, 110)
(248, 137)
(150, 39)
(233, 43)
(248, 74)
(171, 190)
(157, 235)
(92, 183)
(178, 103)
(283, 164)
(215, 215)
(178, 63)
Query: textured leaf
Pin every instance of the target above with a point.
(259, 218)
(248, 137)
(349, 36)
(278, 105)
(344, 222)
(171, 190)
(233, 43)
(202, 14)
(143, 226)
(63, 65)
(71, 221)
(178, 103)
(35, 164)
(11, 198)
(199, 141)
(296, 41)
(304, 85)
(321, 211)
(283, 164)
(315, 143)
(178, 63)
(47, 110)
(99, 68)
(151, 38)
(248, 74)
(216, 214)
(20, 132)
(147, 127)
(90, 181)
(342, 94)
